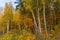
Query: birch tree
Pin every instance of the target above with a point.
(8, 15)
(45, 25)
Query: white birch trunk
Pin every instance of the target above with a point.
(8, 26)
(44, 18)
(34, 21)
(39, 23)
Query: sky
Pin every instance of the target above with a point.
(2, 2)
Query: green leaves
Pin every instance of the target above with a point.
(7, 37)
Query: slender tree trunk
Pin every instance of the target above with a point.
(19, 28)
(39, 23)
(34, 21)
(8, 26)
(44, 18)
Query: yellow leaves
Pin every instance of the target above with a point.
(8, 12)
(26, 35)
(16, 18)
(7, 37)
(30, 37)
(29, 22)
(1, 19)
(27, 4)
(28, 7)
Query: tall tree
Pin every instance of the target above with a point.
(8, 15)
